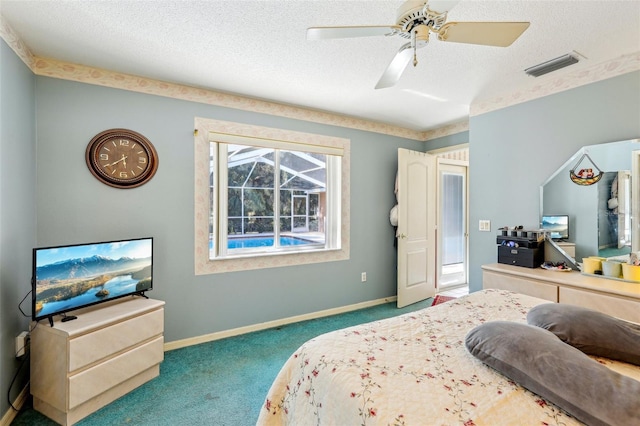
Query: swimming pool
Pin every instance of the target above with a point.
(252, 242)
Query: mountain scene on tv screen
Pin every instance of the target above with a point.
(554, 223)
(70, 283)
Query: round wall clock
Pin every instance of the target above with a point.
(121, 158)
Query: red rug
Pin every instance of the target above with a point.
(441, 299)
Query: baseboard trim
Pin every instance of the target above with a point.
(18, 403)
(177, 344)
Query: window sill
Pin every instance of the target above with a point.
(268, 260)
(253, 254)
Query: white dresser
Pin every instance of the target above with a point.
(79, 366)
(613, 297)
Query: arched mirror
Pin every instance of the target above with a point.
(602, 216)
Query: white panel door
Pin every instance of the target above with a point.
(416, 226)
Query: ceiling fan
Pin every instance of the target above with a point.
(415, 21)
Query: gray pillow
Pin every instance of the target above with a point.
(561, 374)
(592, 332)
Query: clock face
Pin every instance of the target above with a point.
(121, 158)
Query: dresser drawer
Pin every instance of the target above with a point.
(92, 347)
(619, 307)
(102, 377)
(520, 285)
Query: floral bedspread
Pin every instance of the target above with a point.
(411, 370)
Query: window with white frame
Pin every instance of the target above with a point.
(273, 196)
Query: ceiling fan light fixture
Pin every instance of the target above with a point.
(552, 65)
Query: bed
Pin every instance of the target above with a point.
(412, 369)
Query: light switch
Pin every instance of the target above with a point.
(485, 225)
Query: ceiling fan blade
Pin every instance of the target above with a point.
(397, 66)
(322, 33)
(500, 34)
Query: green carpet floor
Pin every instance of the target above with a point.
(219, 383)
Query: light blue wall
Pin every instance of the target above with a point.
(17, 209)
(74, 207)
(513, 150)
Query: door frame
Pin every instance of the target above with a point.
(439, 234)
(635, 202)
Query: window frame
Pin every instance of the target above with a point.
(220, 200)
(232, 132)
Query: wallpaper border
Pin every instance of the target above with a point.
(84, 74)
(544, 87)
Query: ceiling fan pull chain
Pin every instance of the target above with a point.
(414, 44)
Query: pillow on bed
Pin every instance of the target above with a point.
(537, 360)
(592, 332)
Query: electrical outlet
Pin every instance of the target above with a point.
(484, 225)
(364, 277)
(22, 340)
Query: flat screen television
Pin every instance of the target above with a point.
(557, 225)
(66, 278)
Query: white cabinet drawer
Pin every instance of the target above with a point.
(100, 378)
(520, 285)
(619, 307)
(92, 347)
(78, 367)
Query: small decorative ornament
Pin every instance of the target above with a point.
(585, 176)
(121, 158)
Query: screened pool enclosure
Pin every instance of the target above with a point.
(273, 198)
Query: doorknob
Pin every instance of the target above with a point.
(402, 236)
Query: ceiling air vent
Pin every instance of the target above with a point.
(552, 65)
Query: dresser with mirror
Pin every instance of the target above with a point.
(599, 225)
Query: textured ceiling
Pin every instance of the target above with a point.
(259, 49)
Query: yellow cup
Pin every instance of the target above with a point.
(630, 272)
(592, 264)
